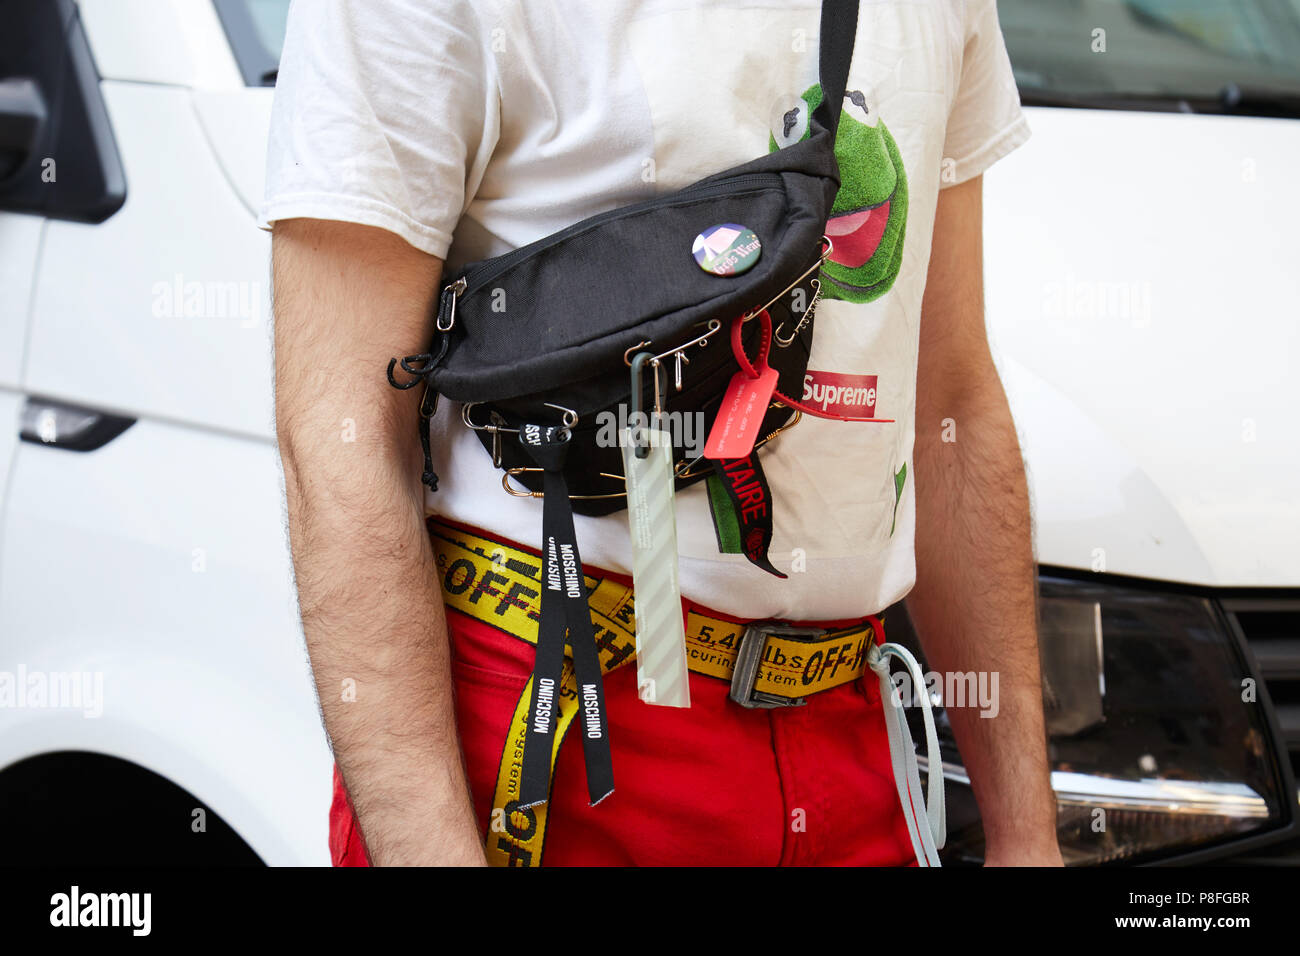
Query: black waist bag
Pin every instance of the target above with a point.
(543, 334)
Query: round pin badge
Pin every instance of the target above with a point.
(727, 249)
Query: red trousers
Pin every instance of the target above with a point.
(713, 784)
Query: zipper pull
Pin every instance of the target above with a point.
(447, 306)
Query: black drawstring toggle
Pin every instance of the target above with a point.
(421, 367)
(410, 367)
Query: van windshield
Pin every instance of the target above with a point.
(1200, 55)
(256, 32)
(1238, 56)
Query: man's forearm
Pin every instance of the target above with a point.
(346, 298)
(376, 634)
(974, 609)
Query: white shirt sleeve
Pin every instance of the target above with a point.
(386, 113)
(985, 121)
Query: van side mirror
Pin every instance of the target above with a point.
(58, 157)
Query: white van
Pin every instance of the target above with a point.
(1142, 290)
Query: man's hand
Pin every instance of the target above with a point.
(974, 600)
(347, 298)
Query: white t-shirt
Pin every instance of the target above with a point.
(471, 128)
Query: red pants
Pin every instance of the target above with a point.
(713, 784)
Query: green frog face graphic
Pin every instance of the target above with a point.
(869, 217)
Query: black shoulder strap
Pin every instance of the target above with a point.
(815, 156)
(839, 28)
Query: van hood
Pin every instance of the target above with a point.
(1142, 298)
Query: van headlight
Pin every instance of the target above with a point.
(1159, 738)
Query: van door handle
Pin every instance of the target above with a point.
(69, 427)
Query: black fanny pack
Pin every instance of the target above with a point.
(541, 345)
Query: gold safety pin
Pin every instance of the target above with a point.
(513, 472)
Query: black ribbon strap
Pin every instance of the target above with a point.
(563, 607)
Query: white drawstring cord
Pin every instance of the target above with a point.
(927, 839)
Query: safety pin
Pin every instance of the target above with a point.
(785, 341)
(701, 340)
(680, 358)
(568, 419)
(490, 427)
(627, 355)
(803, 275)
(515, 472)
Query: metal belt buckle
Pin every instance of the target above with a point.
(750, 658)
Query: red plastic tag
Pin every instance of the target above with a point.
(741, 413)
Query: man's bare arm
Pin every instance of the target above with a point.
(974, 600)
(347, 298)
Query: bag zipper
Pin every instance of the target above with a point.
(489, 270)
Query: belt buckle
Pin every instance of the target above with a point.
(749, 658)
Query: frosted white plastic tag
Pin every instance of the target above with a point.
(661, 673)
